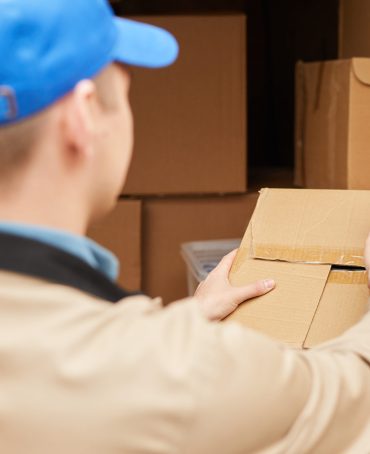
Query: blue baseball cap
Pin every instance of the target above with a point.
(47, 46)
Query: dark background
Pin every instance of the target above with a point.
(279, 32)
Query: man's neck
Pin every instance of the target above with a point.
(46, 207)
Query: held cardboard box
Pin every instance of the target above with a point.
(120, 232)
(311, 242)
(332, 128)
(354, 35)
(190, 118)
(167, 223)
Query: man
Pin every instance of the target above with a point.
(82, 375)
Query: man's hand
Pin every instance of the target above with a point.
(218, 298)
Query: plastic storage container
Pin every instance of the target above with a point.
(202, 256)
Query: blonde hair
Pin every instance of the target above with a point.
(18, 140)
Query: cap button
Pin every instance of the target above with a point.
(8, 103)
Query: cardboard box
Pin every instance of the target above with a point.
(332, 134)
(120, 232)
(311, 242)
(354, 35)
(190, 118)
(167, 223)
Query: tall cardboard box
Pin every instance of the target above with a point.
(120, 232)
(167, 223)
(354, 34)
(311, 242)
(332, 128)
(190, 118)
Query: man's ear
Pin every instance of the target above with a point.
(81, 117)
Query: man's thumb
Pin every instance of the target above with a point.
(258, 288)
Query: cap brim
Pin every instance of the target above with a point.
(141, 44)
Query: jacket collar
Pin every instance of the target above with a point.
(35, 258)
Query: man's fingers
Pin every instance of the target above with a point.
(226, 263)
(252, 290)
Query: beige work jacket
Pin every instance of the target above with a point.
(79, 375)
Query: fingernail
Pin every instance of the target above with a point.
(269, 284)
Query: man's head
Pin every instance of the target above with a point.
(64, 85)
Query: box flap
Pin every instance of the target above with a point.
(343, 303)
(310, 226)
(361, 69)
(287, 312)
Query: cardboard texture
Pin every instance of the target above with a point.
(332, 134)
(190, 118)
(167, 223)
(311, 242)
(354, 35)
(120, 232)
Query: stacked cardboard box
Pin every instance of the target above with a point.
(332, 134)
(170, 222)
(332, 146)
(190, 118)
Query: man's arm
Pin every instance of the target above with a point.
(261, 395)
(257, 395)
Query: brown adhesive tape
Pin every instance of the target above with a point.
(312, 254)
(347, 277)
